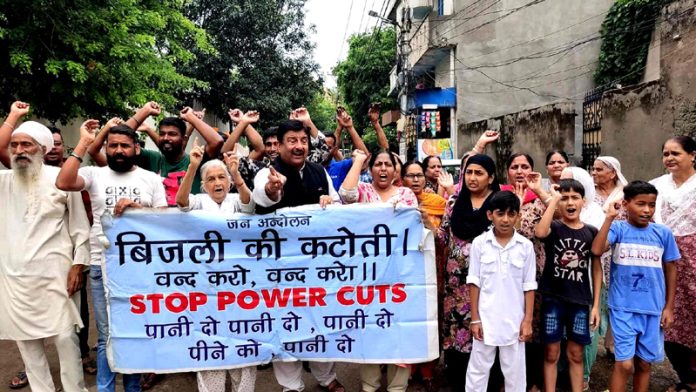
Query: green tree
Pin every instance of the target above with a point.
(265, 57)
(363, 77)
(72, 58)
(323, 111)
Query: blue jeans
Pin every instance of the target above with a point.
(106, 379)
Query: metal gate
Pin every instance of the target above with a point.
(591, 127)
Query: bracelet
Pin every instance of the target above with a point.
(477, 149)
(240, 184)
(9, 125)
(475, 322)
(72, 154)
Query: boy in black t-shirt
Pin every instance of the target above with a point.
(565, 282)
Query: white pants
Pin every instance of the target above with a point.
(289, 374)
(36, 364)
(397, 377)
(512, 364)
(243, 380)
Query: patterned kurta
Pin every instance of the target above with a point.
(677, 212)
(456, 301)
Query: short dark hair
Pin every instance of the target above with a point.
(426, 161)
(174, 122)
(330, 136)
(55, 130)
(377, 152)
(570, 185)
(123, 129)
(520, 154)
(269, 133)
(554, 152)
(291, 126)
(504, 201)
(635, 188)
(405, 166)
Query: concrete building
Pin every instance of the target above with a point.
(477, 60)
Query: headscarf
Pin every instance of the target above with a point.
(591, 213)
(617, 193)
(466, 222)
(36, 131)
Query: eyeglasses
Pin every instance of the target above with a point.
(412, 176)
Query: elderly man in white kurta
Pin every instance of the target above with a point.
(44, 236)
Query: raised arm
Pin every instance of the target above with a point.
(485, 139)
(212, 139)
(68, 178)
(95, 149)
(17, 111)
(195, 158)
(353, 176)
(346, 122)
(601, 244)
(543, 228)
(244, 121)
(149, 109)
(373, 115)
(302, 114)
(232, 162)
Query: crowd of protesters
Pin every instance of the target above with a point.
(531, 271)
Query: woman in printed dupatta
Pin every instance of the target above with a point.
(382, 165)
(464, 219)
(676, 203)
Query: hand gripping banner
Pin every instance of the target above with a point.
(198, 291)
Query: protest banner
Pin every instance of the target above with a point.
(196, 291)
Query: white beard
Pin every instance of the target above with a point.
(28, 179)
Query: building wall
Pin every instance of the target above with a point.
(495, 35)
(638, 119)
(535, 132)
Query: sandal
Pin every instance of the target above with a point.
(335, 386)
(149, 380)
(89, 366)
(19, 381)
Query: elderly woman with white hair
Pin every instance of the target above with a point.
(216, 178)
(609, 182)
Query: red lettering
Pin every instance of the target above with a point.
(251, 296)
(224, 298)
(398, 293)
(341, 296)
(171, 304)
(365, 294)
(382, 290)
(137, 304)
(197, 299)
(316, 296)
(298, 297)
(155, 301)
(274, 297)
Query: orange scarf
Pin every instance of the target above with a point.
(433, 205)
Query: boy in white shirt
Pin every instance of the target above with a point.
(502, 280)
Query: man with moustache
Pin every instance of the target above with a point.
(43, 249)
(113, 189)
(292, 181)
